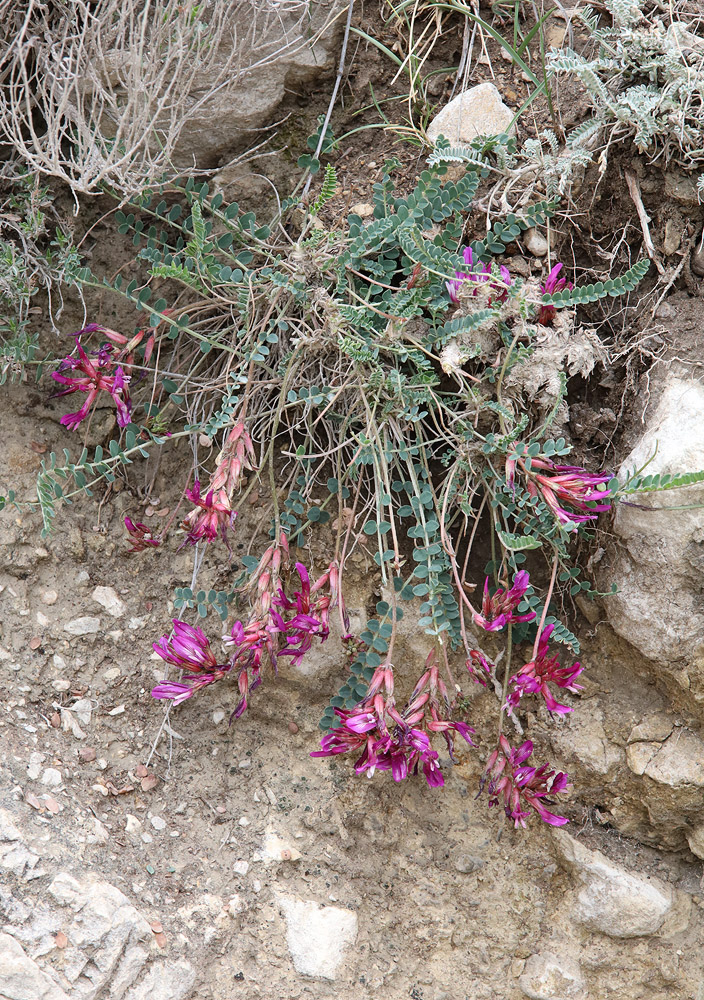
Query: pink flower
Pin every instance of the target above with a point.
(571, 485)
(552, 284)
(311, 616)
(534, 677)
(212, 516)
(140, 536)
(499, 609)
(188, 649)
(480, 273)
(236, 457)
(250, 642)
(92, 376)
(522, 788)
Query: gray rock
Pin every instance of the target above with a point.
(551, 977)
(83, 626)
(582, 735)
(695, 839)
(613, 901)
(317, 936)
(285, 52)
(477, 111)
(21, 978)
(677, 762)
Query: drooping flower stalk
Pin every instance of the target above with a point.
(480, 274)
(521, 787)
(211, 516)
(188, 649)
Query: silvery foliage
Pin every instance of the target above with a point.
(646, 83)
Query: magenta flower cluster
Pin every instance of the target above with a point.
(521, 787)
(279, 627)
(387, 739)
(534, 677)
(500, 608)
(479, 274)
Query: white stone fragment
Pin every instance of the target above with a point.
(317, 936)
(52, 777)
(276, 848)
(547, 976)
(21, 978)
(83, 626)
(165, 981)
(108, 599)
(157, 822)
(477, 111)
(241, 867)
(8, 830)
(132, 824)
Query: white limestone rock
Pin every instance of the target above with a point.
(477, 111)
(21, 978)
(659, 560)
(165, 981)
(614, 901)
(83, 626)
(318, 936)
(551, 977)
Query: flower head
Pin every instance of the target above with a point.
(211, 516)
(476, 663)
(250, 643)
(552, 284)
(395, 741)
(572, 486)
(499, 608)
(188, 649)
(91, 376)
(236, 457)
(522, 787)
(140, 536)
(534, 677)
(480, 273)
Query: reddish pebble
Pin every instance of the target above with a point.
(292, 728)
(86, 754)
(221, 809)
(156, 927)
(160, 940)
(37, 447)
(52, 805)
(35, 642)
(60, 940)
(56, 720)
(141, 771)
(149, 782)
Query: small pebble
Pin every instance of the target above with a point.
(147, 838)
(87, 625)
(60, 685)
(60, 940)
(86, 754)
(42, 620)
(157, 822)
(243, 821)
(55, 720)
(35, 642)
(49, 597)
(218, 717)
(241, 867)
(292, 728)
(132, 824)
(52, 777)
(156, 927)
